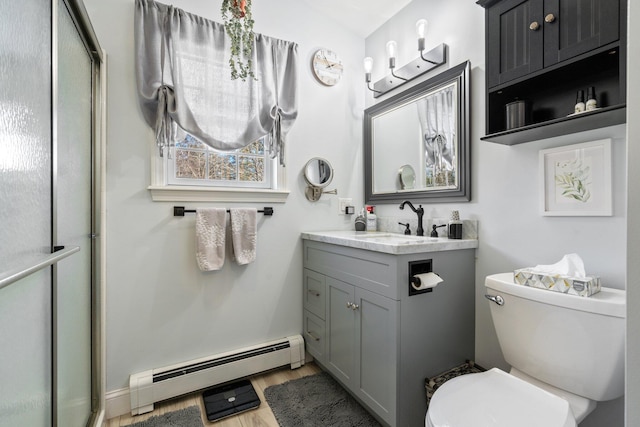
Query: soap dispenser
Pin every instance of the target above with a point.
(372, 219)
(361, 223)
(455, 226)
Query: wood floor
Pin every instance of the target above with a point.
(260, 417)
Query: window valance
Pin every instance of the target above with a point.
(184, 82)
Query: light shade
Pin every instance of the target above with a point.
(368, 64)
(421, 28)
(392, 46)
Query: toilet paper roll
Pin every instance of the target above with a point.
(425, 281)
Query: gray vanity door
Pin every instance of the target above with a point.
(341, 336)
(376, 353)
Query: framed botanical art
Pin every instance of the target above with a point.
(575, 180)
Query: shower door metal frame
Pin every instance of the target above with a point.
(83, 25)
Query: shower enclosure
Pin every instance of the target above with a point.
(50, 99)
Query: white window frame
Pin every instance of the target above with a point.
(162, 191)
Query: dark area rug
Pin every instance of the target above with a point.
(188, 417)
(316, 400)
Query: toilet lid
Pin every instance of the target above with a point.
(495, 399)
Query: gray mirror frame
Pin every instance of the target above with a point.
(461, 74)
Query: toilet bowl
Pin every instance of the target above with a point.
(566, 354)
(496, 398)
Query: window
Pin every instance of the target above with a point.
(196, 172)
(194, 163)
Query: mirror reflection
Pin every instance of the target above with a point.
(318, 172)
(406, 177)
(424, 129)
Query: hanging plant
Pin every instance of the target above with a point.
(238, 23)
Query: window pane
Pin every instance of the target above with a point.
(190, 142)
(255, 148)
(190, 164)
(222, 167)
(251, 169)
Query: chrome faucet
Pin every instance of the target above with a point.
(419, 212)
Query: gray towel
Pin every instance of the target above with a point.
(210, 238)
(243, 234)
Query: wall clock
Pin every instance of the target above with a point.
(327, 67)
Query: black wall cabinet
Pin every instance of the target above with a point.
(543, 52)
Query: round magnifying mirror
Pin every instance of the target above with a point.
(407, 177)
(318, 172)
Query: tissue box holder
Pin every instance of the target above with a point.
(584, 287)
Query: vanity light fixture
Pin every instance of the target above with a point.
(415, 68)
(392, 47)
(368, 65)
(421, 29)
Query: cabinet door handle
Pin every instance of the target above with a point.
(350, 305)
(354, 306)
(549, 18)
(534, 26)
(314, 293)
(313, 336)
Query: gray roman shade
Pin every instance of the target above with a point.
(184, 82)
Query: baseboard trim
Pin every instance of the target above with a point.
(117, 402)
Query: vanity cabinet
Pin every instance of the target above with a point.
(375, 339)
(543, 52)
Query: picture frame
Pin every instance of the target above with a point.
(575, 180)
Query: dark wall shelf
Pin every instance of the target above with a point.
(547, 65)
(589, 120)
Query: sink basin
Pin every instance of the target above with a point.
(395, 239)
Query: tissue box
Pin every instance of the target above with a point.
(584, 287)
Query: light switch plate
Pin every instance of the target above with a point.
(343, 203)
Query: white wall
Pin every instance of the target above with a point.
(512, 233)
(160, 308)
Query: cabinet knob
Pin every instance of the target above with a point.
(315, 338)
(534, 26)
(355, 306)
(350, 305)
(549, 18)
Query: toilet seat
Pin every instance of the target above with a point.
(496, 399)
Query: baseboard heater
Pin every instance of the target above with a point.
(159, 384)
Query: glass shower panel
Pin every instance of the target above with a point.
(25, 319)
(73, 190)
(25, 212)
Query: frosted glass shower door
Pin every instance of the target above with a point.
(25, 213)
(73, 222)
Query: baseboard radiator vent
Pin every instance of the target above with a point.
(155, 385)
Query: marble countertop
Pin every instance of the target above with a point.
(390, 243)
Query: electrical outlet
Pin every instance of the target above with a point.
(343, 203)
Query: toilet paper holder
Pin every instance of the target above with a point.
(416, 284)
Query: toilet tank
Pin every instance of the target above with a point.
(571, 342)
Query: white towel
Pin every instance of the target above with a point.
(210, 238)
(243, 234)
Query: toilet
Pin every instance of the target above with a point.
(566, 354)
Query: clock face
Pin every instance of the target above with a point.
(327, 67)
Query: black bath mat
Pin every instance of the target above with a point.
(230, 399)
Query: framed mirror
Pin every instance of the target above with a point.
(424, 129)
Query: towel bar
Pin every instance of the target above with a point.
(180, 211)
